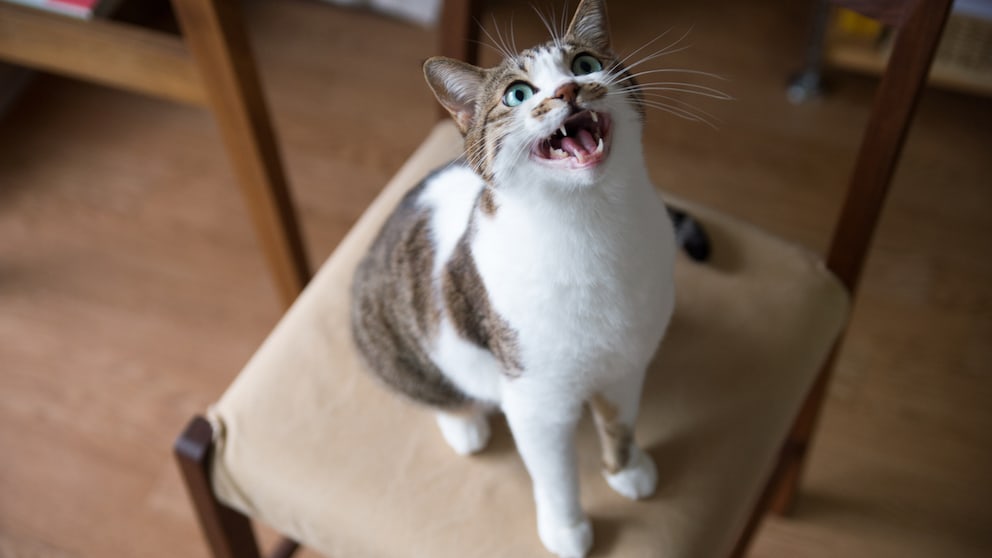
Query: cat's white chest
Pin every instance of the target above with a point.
(588, 290)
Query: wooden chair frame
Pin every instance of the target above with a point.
(211, 65)
(921, 23)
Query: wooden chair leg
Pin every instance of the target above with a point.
(764, 505)
(228, 532)
(214, 32)
(779, 493)
(792, 463)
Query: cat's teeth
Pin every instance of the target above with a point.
(599, 146)
(564, 133)
(559, 154)
(595, 117)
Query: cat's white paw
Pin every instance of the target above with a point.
(638, 479)
(466, 434)
(566, 541)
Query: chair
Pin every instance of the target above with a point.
(308, 443)
(210, 66)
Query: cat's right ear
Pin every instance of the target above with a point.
(456, 85)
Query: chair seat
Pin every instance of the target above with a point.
(310, 443)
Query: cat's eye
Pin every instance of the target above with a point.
(586, 64)
(517, 93)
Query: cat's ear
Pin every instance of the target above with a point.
(456, 85)
(590, 26)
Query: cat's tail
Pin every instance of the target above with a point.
(690, 234)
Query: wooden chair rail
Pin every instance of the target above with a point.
(129, 57)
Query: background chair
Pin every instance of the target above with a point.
(254, 456)
(210, 65)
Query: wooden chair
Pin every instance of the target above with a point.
(306, 442)
(210, 65)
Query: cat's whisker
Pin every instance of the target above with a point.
(622, 67)
(522, 152)
(676, 111)
(676, 86)
(513, 36)
(681, 71)
(684, 105)
(676, 90)
(619, 73)
(563, 19)
(552, 30)
(502, 40)
(495, 44)
(675, 70)
(489, 46)
(518, 154)
(475, 154)
(679, 112)
(473, 151)
(667, 50)
(644, 46)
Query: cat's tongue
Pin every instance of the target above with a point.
(580, 146)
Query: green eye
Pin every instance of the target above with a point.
(586, 64)
(517, 93)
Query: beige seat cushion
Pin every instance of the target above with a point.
(308, 442)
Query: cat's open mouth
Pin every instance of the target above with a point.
(582, 141)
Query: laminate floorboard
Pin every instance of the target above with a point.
(132, 289)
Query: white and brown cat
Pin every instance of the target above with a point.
(534, 275)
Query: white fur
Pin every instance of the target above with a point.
(579, 263)
(450, 196)
(638, 480)
(466, 434)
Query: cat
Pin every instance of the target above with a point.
(534, 275)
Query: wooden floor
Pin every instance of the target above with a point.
(132, 290)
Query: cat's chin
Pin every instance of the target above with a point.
(581, 143)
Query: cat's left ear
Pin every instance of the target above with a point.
(590, 26)
(456, 85)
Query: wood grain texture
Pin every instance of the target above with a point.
(131, 290)
(133, 58)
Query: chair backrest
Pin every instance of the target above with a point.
(919, 24)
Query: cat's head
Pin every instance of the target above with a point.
(557, 112)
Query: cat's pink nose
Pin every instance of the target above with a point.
(568, 92)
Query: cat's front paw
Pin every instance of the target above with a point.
(638, 479)
(566, 541)
(465, 434)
